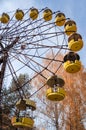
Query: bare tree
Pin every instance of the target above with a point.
(69, 113)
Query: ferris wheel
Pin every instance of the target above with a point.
(26, 38)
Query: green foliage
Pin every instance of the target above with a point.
(19, 87)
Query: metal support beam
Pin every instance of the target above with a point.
(3, 61)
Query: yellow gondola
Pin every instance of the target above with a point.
(55, 92)
(72, 67)
(19, 14)
(23, 103)
(4, 18)
(75, 42)
(33, 13)
(55, 80)
(26, 119)
(72, 63)
(60, 19)
(47, 14)
(23, 122)
(57, 95)
(70, 27)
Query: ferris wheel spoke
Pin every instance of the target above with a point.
(19, 23)
(15, 78)
(29, 64)
(23, 22)
(31, 23)
(41, 55)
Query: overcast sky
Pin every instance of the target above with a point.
(74, 9)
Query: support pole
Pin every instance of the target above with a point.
(3, 60)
